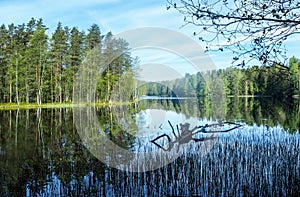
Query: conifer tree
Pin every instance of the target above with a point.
(58, 53)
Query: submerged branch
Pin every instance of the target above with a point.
(186, 134)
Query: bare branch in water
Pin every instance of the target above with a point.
(186, 134)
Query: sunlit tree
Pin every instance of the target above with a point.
(36, 60)
(59, 51)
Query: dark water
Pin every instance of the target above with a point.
(42, 154)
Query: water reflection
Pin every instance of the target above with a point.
(41, 153)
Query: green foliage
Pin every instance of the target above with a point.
(39, 68)
(35, 58)
(295, 75)
(35, 67)
(272, 81)
(93, 38)
(266, 80)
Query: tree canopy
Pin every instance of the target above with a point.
(251, 29)
(40, 68)
(271, 81)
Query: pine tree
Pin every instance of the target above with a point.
(36, 55)
(59, 51)
(76, 54)
(30, 28)
(3, 63)
(94, 38)
(11, 54)
(108, 53)
(93, 41)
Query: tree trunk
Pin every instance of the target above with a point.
(58, 93)
(10, 84)
(26, 84)
(17, 89)
(73, 88)
(60, 88)
(37, 78)
(51, 84)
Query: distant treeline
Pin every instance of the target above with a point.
(35, 67)
(275, 81)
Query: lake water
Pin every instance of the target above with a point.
(43, 152)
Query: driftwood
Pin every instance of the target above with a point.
(186, 134)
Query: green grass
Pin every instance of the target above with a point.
(14, 106)
(11, 106)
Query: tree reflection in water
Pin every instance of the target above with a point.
(41, 154)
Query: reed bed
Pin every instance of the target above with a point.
(252, 161)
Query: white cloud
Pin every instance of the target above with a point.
(111, 15)
(51, 11)
(69, 4)
(136, 14)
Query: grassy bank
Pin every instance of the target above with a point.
(10, 106)
(14, 106)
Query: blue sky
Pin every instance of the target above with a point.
(110, 15)
(113, 15)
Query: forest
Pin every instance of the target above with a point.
(40, 68)
(265, 81)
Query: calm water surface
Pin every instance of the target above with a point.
(42, 154)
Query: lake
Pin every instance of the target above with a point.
(64, 152)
